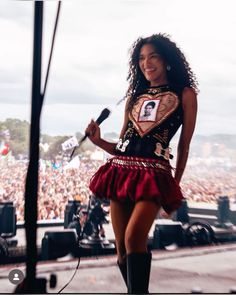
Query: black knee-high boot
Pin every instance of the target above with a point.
(123, 270)
(138, 272)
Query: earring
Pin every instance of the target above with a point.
(168, 68)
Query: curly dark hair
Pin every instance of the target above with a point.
(179, 76)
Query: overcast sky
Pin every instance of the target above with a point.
(89, 65)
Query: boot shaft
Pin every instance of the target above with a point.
(138, 272)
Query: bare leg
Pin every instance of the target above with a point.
(120, 215)
(136, 235)
(140, 222)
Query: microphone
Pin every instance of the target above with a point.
(103, 116)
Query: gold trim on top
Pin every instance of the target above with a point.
(141, 164)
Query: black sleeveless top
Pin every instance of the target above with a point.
(154, 119)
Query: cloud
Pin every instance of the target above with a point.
(76, 117)
(90, 58)
(17, 11)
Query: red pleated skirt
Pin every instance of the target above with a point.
(122, 178)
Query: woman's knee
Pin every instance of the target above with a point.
(137, 230)
(135, 242)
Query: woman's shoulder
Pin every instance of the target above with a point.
(182, 91)
(188, 91)
(189, 97)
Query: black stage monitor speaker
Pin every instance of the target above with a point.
(7, 219)
(182, 212)
(57, 244)
(166, 233)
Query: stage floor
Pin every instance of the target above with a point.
(210, 268)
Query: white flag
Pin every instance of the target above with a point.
(69, 143)
(73, 164)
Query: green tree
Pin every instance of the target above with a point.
(55, 148)
(19, 135)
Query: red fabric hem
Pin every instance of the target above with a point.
(119, 183)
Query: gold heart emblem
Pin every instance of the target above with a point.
(151, 110)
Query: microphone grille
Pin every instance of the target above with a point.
(106, 112)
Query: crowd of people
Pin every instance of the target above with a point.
(58, 185)
(204, 184)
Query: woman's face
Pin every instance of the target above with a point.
(152, 65)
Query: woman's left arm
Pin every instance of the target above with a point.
(189, 101)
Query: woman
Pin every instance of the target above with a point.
(138, 179)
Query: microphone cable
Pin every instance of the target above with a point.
(83, 229)
(77, 267)
(79, 257)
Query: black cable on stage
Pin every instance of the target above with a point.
(77, 267)
(32, 172)
(79, 238)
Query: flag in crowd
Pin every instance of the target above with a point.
(69, 143)
(4, 149)
(73, 164)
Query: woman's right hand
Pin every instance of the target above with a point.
(93, 132)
